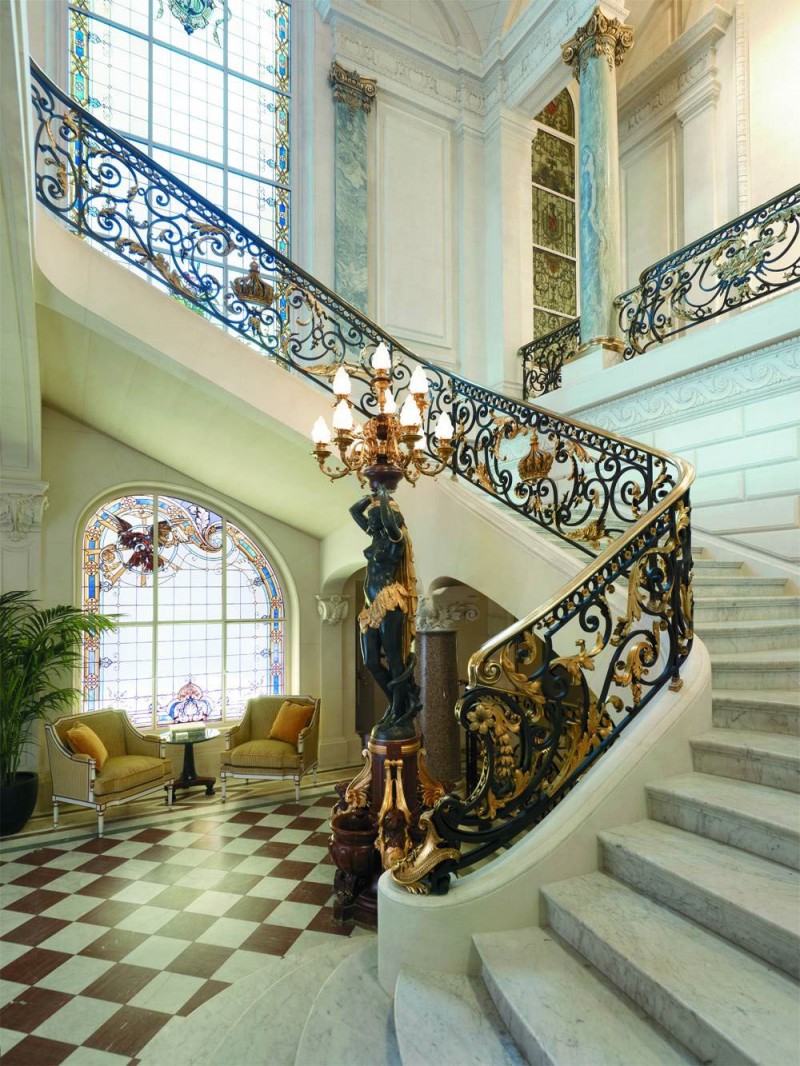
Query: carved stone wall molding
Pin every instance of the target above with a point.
(437, 615)
(332, 609)
(756, 375)
(22, 507)
(351, 89)
(600, 36)
(683, 71)
(743, 104)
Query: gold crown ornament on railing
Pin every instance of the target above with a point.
(389, 446)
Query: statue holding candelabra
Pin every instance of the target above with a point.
(376, 822)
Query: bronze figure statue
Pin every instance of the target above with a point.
(387, 621)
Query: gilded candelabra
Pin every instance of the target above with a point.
(390, 445)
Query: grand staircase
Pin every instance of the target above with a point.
(684, 947)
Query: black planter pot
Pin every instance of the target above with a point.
(17, 801)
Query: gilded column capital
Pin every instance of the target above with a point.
(351, 89)
(601, 36)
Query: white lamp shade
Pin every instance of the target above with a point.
(419, 383)
(381, 360)
(342, 418)
(409, 413)
(320, 434)
(444, 427)
(389, 403)
(341, 382)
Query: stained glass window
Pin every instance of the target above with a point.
(553, 211)
(212, 105)
(201, 622)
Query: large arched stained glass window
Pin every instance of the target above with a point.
(555, 295)
(200, 610)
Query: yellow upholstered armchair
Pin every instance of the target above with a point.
(251, 753)
(135, 765)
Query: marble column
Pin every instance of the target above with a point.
(353, 97)
(437, 659)
(594, 52)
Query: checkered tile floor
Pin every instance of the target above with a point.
(102, 941)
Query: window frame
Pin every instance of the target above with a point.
(228, 514)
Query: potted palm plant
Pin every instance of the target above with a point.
(39, 648)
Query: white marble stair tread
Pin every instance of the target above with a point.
(763, 710)
(449, 1019)
(762, 820)
(188, 1037)
(725, 565)
(268, 1031)
(771, 759)
(739, 586)
(748, 607)
(750, 901)
(350, 1021)
(701, 989)
(733, 637)
(561, 1011)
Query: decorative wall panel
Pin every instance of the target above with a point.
(414, 223)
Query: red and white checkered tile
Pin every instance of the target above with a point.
(102, 941)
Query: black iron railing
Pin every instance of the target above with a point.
(756, 255)
(537, 721)
(543, 359)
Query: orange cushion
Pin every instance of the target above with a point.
(85, 741)
(291, 720)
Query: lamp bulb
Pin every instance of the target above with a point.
(341, 382)
(389, 403)
(320, 434)
(444, 427)
(409, 413)
(342, 418)
(381, 360)
(419, 384)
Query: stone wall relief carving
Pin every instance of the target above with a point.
(21, 514)
(439, 612)
(332, 609)
(769, 371)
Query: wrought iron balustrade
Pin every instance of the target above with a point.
(756, 255)
(543, 359)
(538, 722)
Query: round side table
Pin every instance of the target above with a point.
(189, 778)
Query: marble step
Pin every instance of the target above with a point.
(763, 710)
(750, 901)
(748, 608)
(770, 759)
(561, 1011)
(269, 1029)
(750, 635)
(763, 821)
(449, 1019)
(736, 587)
(350, 1020)
(187, 1038)
(717, 566)
(720, 1002)
(757, 669)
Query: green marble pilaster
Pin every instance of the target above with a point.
(353, 96)
(594, 52)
